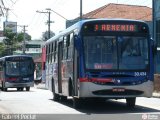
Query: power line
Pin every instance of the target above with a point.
(36, 20)
(7, 9)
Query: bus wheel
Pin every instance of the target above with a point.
(131, 102)
(18, 89)
(63, 98)
(27, 88)
(55, 97)
(76, 103)
(4, 89)
(21, 89)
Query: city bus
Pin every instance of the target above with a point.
(16, 71)
(101, 59)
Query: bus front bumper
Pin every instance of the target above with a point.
(16, 85)
(88, 89)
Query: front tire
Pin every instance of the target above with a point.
(27, 88)
(63, 98)
(20, 89)
(130, 102)
(76, 103)
(3, 87)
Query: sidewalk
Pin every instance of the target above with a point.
(40, 86)
(156, 94)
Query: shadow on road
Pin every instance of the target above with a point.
(108, 107)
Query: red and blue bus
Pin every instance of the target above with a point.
(16, 71)
(101, 59)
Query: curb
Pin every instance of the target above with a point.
(156, 95)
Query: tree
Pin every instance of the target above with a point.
(20, 37)
(10, 43)
(10, 37)
(45, 35)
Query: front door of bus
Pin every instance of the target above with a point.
(60, 57)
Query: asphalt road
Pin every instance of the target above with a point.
(38, 104)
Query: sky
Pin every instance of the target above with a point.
(24, 12)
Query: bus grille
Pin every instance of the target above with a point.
(110, 92)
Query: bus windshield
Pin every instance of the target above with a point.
(116, 52)
(19, 68)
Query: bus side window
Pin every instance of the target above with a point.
(48, 53)
(70, 47)
(51, 53)
(65, 48)
(55, 51)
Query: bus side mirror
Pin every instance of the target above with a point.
(3, 64)
(154, 47)
(34, 66)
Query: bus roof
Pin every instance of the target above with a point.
(79, 24)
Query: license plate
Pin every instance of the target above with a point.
(118, 90)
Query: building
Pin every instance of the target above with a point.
(119, 11)
(156, 30)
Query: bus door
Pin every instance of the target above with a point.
(60, 57)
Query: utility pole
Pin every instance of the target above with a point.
(24, 38)
(48, 22)
(7, 13)
(81, 13)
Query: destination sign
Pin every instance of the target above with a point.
(115, 27)
(18, 58)
(119, 27)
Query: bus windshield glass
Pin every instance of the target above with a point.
(19, 68)
(116, 52)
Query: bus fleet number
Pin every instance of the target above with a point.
(140, 74)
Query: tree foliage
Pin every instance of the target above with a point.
(10, 43)
(20, 37)
(45, 35)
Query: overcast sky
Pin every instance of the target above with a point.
(24, 12)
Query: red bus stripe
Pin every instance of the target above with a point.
(104, 80)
